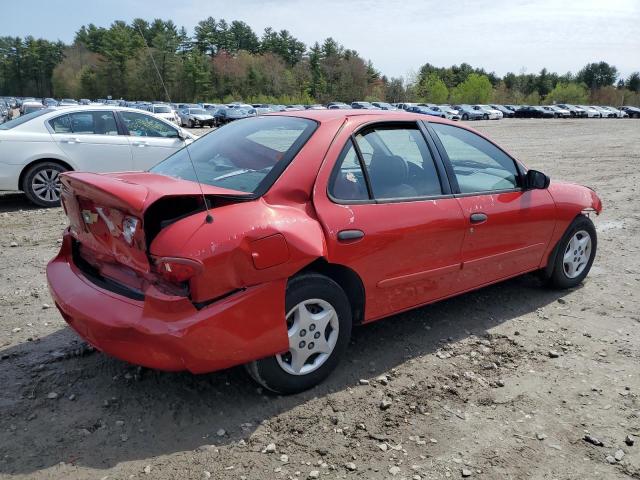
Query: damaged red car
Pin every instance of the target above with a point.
(265, 241)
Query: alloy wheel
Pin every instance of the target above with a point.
(46, 185)
(577, 254)
(313, 330)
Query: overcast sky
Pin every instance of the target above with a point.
(398, 36)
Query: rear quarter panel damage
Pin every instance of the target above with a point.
(239, 250)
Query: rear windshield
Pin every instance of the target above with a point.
(24, 118)
(161, 109)
(245, 155)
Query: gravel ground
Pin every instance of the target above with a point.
(507, 382)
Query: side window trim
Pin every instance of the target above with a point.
(445, 181)
(363, 167)
(122, 128)
(451, 174)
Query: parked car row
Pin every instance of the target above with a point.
(194, 115)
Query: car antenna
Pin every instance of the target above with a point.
(209, 217)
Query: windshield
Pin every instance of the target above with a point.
(197, 111)
(24, 118)
(246, 155)
(161, 109)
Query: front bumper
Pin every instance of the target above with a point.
(167, 332)
(202, 123)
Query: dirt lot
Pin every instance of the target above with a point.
(471, 384)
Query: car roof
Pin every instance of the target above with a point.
(330, 115)
(81, 108)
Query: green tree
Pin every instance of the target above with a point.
(573, 93)
(432, 89)
(597, 75)
(475, 89)
(243, 37)
(633, 82)
(284, 44)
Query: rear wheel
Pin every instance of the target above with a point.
(465, 116)
(575, 255)
(41, 184)
(318, 326)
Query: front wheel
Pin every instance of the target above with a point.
(465, 116)
(485, 117)
(575, 255)
(318, 323)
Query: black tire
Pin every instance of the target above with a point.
(268, 372)
(30, 178)
(559, 277)
(485, 117)
(465, 116)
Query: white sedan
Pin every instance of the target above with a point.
(35, 148)
(489, 112)
(591, 112)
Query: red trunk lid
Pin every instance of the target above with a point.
(100, 206)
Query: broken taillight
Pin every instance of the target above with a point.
(178, 270)
(129, 227)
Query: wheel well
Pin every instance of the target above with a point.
(40, 160)
(348, 280)
(551, 261)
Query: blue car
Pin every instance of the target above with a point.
(426, 111)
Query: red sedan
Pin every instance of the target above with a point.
(266, 240)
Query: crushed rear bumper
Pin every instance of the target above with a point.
(168, 332)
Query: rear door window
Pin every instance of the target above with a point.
(399, 163)
(85, 123)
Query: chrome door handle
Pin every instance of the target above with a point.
(139, 144)
(350, 235)
(478, 217)
(70, 140)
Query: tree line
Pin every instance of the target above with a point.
(226, 61)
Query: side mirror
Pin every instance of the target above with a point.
(181, 135)
(537, 180)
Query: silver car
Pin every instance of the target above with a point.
(195, 117)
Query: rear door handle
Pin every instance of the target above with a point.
(139, 144)
(478, 217)
(350, 235)
(70, 140)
